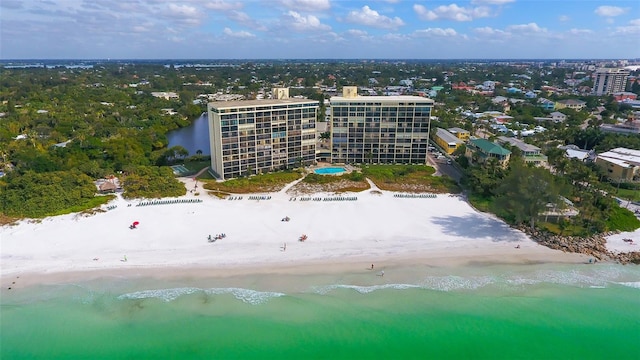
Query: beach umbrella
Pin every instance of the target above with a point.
(135, 223)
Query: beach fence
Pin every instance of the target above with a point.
(415, 196)
(331, 198)
(169, 202)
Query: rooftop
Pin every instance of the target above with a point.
(448, 137)
(622, 156)
(489, 147)
(266, 102)
(380, 99)
(527, 148)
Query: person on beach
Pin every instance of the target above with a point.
(284, 247)
(382, 273)
(371, 266)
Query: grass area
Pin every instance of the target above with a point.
(481, 203)
(414, 178)
(622, 219)
(254, 184)
(569, 229)
(89, 207)
(195, 166)
(628, 194)
(86, 207)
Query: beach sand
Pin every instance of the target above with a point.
(343, 236)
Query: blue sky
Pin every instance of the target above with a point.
(277, 29)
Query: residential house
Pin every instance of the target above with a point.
(546, 104)
(558, 117)
(629, 127)
(482, 150)
(530, 153)
(620, 164)
(461, 134)
(571, 104)
(574, 152)
(624, 95)
(447, 141)
(165, 95)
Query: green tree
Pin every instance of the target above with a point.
(525, 192)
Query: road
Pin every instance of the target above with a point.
(445, 169)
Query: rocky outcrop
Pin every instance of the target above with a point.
(594, 245)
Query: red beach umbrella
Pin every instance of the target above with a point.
(135, 223)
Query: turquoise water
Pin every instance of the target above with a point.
(495, 312)
(329, 170)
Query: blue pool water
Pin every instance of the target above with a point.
(329, 170)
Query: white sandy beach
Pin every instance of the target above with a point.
(377, 228)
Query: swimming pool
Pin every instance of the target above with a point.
(329, 170)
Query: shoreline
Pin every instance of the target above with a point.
(343, 237)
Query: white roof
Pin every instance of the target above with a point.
(622, 156)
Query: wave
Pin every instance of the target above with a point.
(247, 296)
(323, 290)
(633, 284)
(593, 278)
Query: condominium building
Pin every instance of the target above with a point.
(379, 129)
(608, 81)
(257, 136)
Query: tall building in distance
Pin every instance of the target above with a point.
(608, 81)
(258, 136)
(379, 129)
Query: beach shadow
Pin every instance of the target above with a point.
(477, 226)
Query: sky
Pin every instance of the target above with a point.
(319, 29)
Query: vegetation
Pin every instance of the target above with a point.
(43, 194)
(254, 184)
(152, 182)
(418, 178)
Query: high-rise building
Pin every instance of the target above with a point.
(608, 81)
(379, 129)
(257, 136)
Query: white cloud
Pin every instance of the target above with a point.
(305, 23)
(367, 16)
(448, 32)
(243, 19)
(307, 5)
(451, 12)
(222, 5)
(580, 31)
(356, 33)
(491, 2)
(530, 28)
(632, 29)
(238, 34)
(183, 10)
(564, 18)
(186, 14)
(488, 31)
(610, 11)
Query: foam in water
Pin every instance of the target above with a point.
(323, 290)
(633, 284)
(248, 296)
(587, 277)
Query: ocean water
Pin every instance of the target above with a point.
(483, 312)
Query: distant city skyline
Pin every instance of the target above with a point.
(319, 29)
